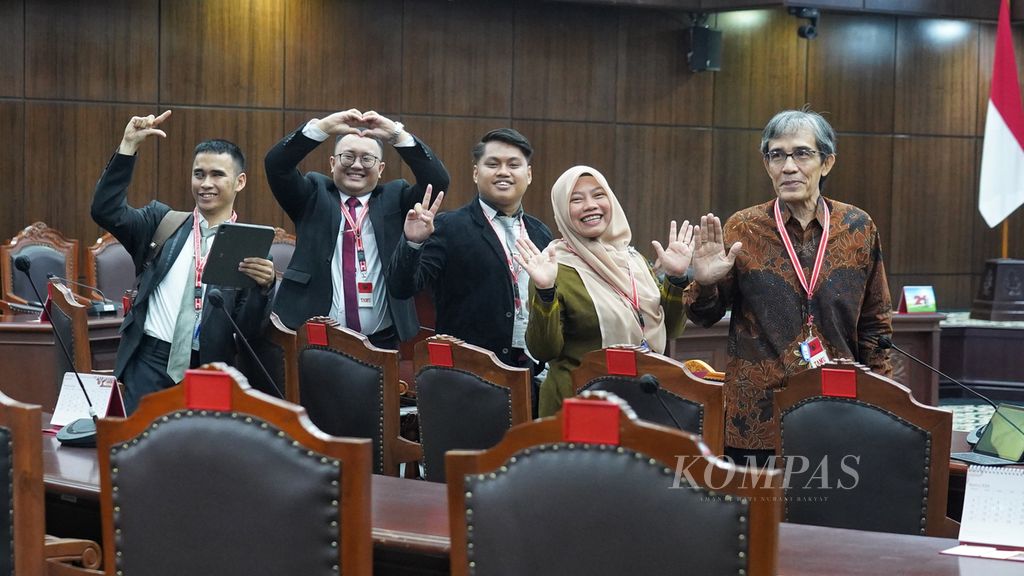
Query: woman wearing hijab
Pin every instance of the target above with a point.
(591, 289)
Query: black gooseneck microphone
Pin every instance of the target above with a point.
(214, 296)
(81, 432)
(885, 343)
(95, 308)
(650, 385)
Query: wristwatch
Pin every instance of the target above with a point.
(399, 128)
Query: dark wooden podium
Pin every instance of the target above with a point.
(27, 355)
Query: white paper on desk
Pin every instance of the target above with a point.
(72, 405)
(985, 552)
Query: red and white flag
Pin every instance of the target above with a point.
(1002, 159)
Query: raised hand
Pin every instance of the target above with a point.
(381, 127)
(711, 261)
(675, 258)
(419, 222)
(541, 266)
(259, 269)
(138, 129)
(342, 123)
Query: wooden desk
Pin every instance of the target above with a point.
(410, 530)
(976, 352)
(918, 334)
(28, 348)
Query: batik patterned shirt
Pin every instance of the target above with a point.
(850, 310)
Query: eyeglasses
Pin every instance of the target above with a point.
(801, 156)
(347, 159)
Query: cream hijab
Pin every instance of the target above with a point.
(605, 264)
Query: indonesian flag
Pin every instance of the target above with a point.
(1002, 159)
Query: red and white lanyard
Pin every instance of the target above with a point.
(513, 267)
(819, 260)
(356, 228)
(198, 259)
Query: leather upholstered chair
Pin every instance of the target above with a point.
(351, 388)
(109, 267)
(596, 491)
(211, 477)
(69, 319)
(695, 403)
(278, 350)
(467, 399)
(281, 250)
(887, 467)
(24, 548)
(50, 253)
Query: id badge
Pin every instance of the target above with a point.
(813, 352)
(365, 291)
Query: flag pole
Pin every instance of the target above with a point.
(1006, 239)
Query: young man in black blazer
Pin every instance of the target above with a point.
(348, 224)
(170, 326)
(480, 292)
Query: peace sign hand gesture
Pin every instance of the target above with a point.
(419, 222)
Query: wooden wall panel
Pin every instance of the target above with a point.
(76, 52)
(931, 204)
(655, 84)
(12, 46)
(222, 53)
(652, 195)
(851, 66)
(254, 131)
(764, 67)
(557, 147)
(862, 176)
(565, 63)
(457, 58)
(343, 54)
(60, 180)
(936, 77)
(12, 168)
(952, 291)
(738, 176)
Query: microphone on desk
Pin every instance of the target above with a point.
(105, 306)
(81, 432)
(216, 298)
(886, 343)
(650, 385)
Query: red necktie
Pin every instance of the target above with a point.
(348, 269)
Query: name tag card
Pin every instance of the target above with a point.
(103, 390)
(916, 299)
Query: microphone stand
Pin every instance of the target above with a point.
(650, 385)
(216, 298)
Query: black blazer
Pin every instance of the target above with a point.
(314, 204)
(466, 267)
(134, 228)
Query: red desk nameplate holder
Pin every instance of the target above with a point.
(838, 383)
(440, 354)
(316, 334)
(590, 421)
(207, 390)
(620, 361)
